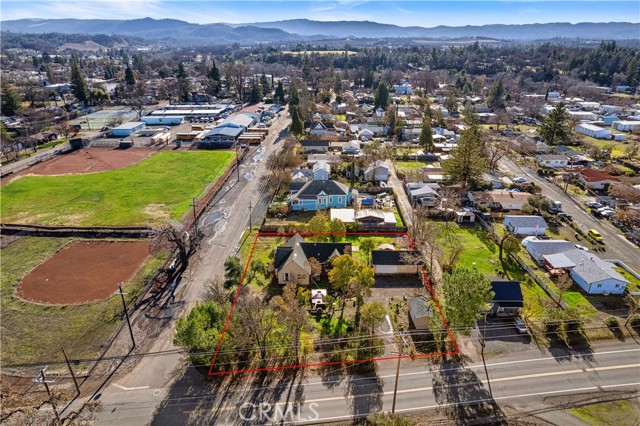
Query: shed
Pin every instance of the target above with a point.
(420, 312)
(395, 262)
(128, 129)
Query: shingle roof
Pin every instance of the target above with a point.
(296, 246)
(549, 246)
(395, 257)
(591, 175)
(525, 221)
(329, 187)
(591, 268)
(507, 291)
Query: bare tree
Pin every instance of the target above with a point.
(496, 151)
(175, 237)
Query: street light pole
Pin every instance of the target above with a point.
(238, 161)
(126, 313)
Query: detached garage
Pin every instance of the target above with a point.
(396, 262)
(420, 312)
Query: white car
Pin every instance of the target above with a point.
(583, 248)
(519, 179)
(520, 326)
(594, 205)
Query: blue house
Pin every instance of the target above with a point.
(320, 192)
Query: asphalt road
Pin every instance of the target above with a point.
(617, 246)
(224, 226)
(526, 381)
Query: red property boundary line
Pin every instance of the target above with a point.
(322, 364)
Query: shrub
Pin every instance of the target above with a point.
(635, 320)
(611, 322)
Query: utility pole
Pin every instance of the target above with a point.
(238, 161)
(249, 216)
(126, 313)
(195, 217)
(73, 376)
(482, 344)
(395, 387)
(41, 378)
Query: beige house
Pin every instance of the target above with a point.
(291, 260)
(500, 199)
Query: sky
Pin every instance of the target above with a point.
(403, 13)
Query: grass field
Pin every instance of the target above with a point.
(481, 252)
(150, 192)
(619, 413)
(34, 333)
(618, 147)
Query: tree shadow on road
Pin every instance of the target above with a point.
(463, 397)
(364, 390)
(569, 346)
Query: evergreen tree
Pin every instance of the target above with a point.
(255, 96)
(496, 95)
(214, 79)
(294, 96)
(78, 83)
(297, 127)
(265, 87)
(554, 128)
(279, 95)
(184, 89)
(10, 100)
(128, 76)
(368, 78)
(426, 136)
(382, 95)
(466, 163)
(466, 292)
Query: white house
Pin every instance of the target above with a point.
(592, 274)
(403, 89)
(597, 179)
(422, 193)
(376, 171)
(526, 225)
(593, 131)
(552, 160)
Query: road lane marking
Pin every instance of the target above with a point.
(428, 407)
(130, 389)
(503, 379)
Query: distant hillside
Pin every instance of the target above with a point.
(366, 29)
(304, 29)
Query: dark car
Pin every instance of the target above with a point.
(565, 216)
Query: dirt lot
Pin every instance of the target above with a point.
(83, 271)
(89, 160)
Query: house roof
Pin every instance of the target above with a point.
(591, 175)
(507, 292)
(419, 307)
(543, 247)
(558, 261)
(330, 187)
(552, 157)
(344, 215)
(395, 257)
(311, 142)
(322, 165)
(299, 251)
(526, 221)
(422, 190)
(591, 268)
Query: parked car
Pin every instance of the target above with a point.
(565, 216)
(583, 248)
(595, 235)
(594, 205)
(520, 326)
(519, 179)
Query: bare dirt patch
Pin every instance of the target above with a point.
(83, 271)
(90, 160)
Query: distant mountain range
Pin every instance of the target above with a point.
(305, 30)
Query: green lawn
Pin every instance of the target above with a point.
(408, 166)
(150, 192)
(618, 413)
(618, 147)
(634, 283)
(481, 252)
(33, 333)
